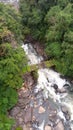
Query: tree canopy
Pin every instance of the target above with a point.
(12, 62)
(52, 23)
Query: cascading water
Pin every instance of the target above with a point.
(33, 57)
(52, 84)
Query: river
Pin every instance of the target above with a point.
(53, 86)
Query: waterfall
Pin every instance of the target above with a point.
(33, 57)
(51, 83)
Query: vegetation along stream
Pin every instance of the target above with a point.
(36, 65)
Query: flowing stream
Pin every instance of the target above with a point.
(52, 84)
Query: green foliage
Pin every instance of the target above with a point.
(62, 3)
(33, 13)
(52, 23)
(10, 24)
(11, 65)
(49, 63)
(59, 38)
(12, 62)
(5, 123)
(18, 128)
(8, 98)
(55, 48)
(35, 74)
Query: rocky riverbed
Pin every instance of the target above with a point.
(34, 112)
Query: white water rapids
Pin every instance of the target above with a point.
(33, 57)
(47, 78)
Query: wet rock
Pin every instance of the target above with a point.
(66, 112)
(55, 86)
(28, 115)
(67, 117)
(41, 110)
(64, 109)
(15, 111)
(63, 90)
(53, 117)
(59, 126)
(48, 127)
(66, 86)
(67, 127)
(71, 89)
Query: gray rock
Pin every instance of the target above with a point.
(55, 86)
(66, 86)
(65, 110)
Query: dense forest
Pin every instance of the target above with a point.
(51, 22)
(48, 21)
(12, 62)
